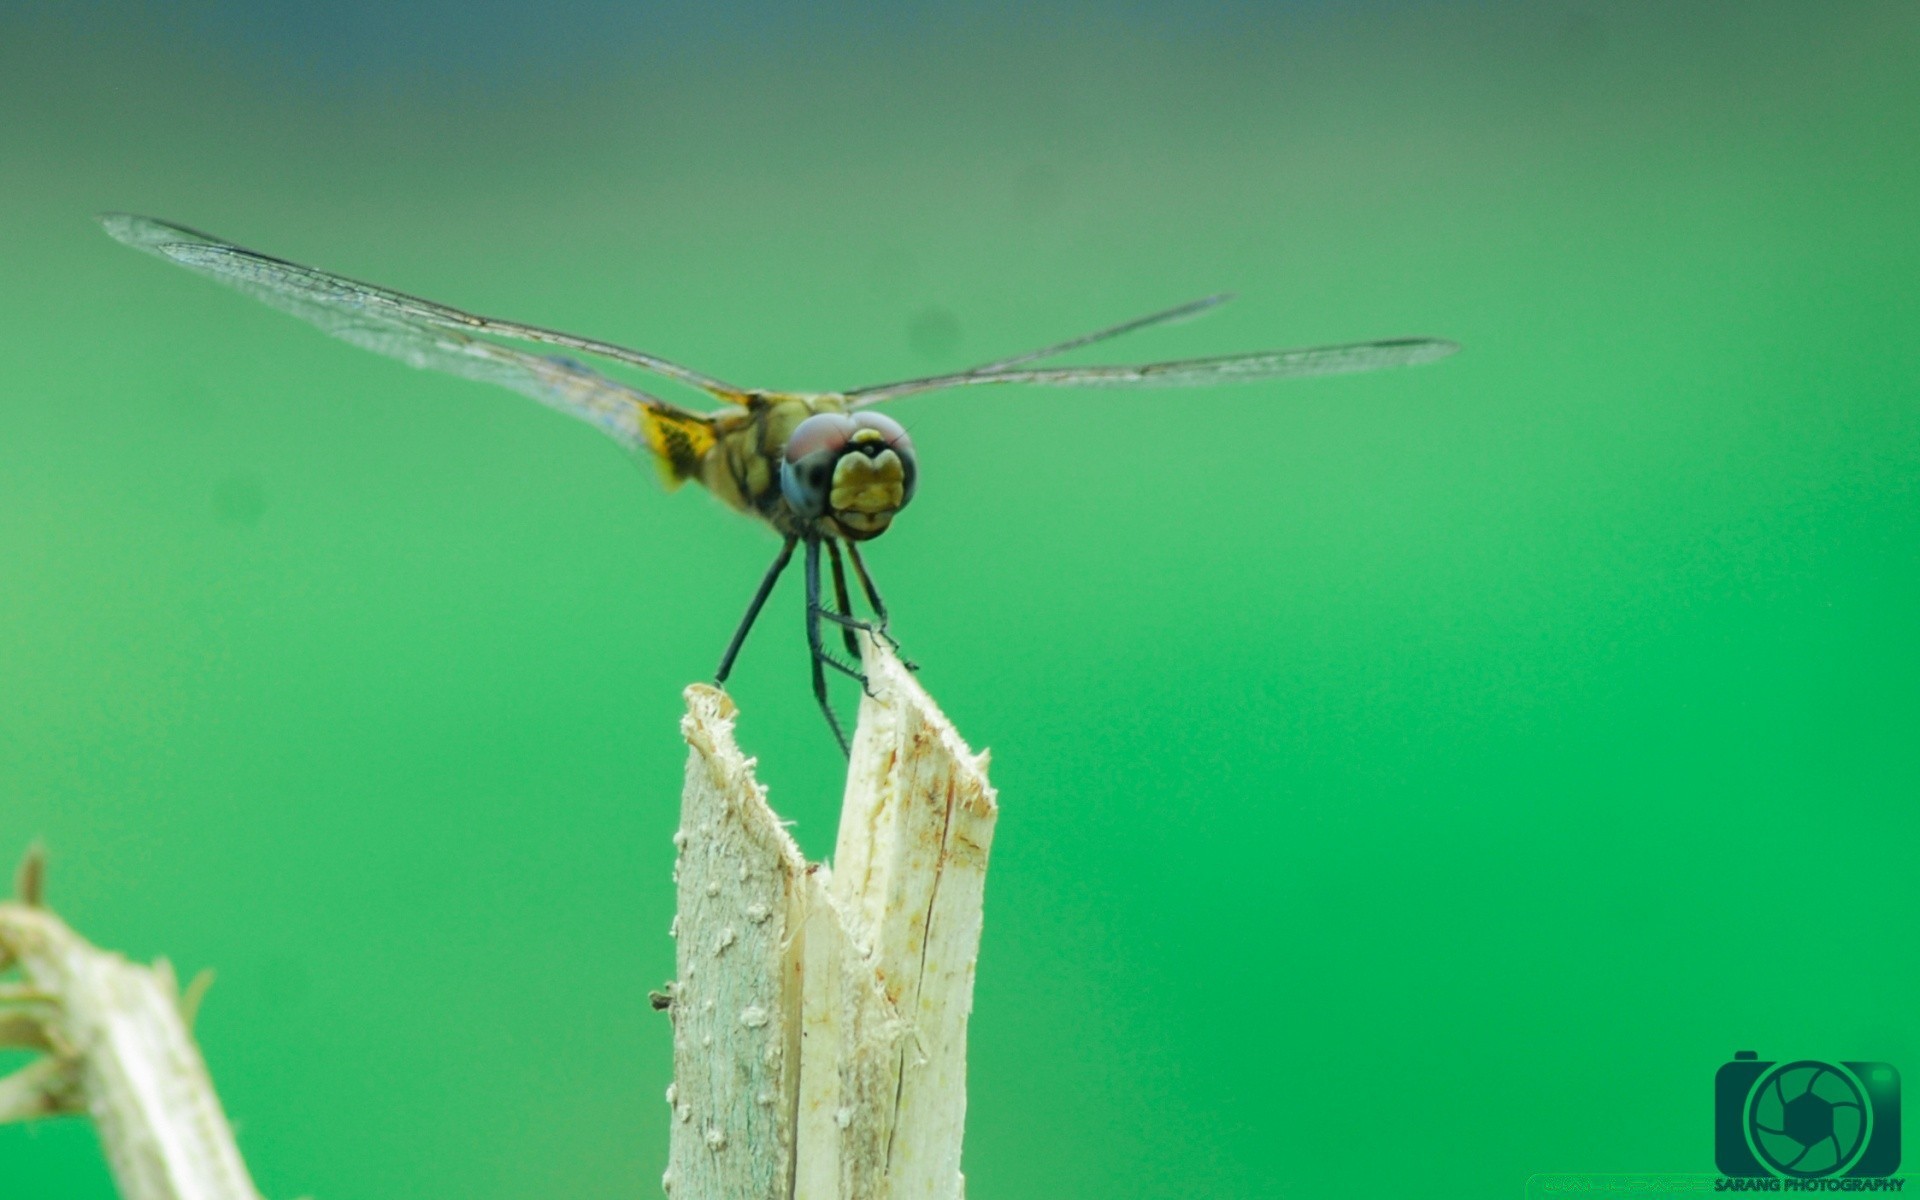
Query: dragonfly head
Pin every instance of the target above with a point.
(856, 468)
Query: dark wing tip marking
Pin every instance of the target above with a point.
(150, 233)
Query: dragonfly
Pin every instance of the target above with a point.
(825, 470)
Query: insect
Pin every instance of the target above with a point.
(822, 468)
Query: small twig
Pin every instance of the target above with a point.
(115, 1045)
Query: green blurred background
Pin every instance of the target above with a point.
(1414, 780)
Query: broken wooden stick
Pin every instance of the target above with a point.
(820, 1015)
(116, 1045)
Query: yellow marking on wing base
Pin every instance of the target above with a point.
(679, 442)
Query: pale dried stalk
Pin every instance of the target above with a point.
(117, 1047)
(820, 1017)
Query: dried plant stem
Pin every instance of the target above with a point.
(117, 1046)
(820, 1016)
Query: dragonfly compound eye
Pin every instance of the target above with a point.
(806, 469)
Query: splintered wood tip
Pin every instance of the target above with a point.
(820, 1015)
(30, 878)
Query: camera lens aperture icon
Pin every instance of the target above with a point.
(1806, 1119)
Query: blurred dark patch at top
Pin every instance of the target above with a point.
(934, 333)
(239, 499)
(427, 44)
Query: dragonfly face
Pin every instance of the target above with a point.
(815, 466)
(852, 473)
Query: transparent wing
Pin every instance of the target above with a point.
(1170, 316)
(1187, 372)
(353, 310)
(423, 334)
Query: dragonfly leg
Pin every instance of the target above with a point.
(819, 653)
(840, 598)
(866, 585)
(879, 605)
(759, 601)
(851, 624)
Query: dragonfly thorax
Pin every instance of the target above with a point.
(850, 472)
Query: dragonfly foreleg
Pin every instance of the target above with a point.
(759, 601)
(850, 624)
(819, 652)
(866, 585)
(879, 606)
(840, 598)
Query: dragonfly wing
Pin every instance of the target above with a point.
(424, 334)
(1169, 316)
(279, 282)
(1188, 372)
